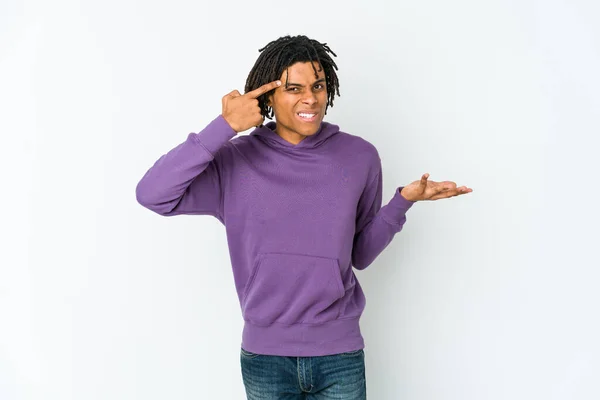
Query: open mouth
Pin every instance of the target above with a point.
(307, 117)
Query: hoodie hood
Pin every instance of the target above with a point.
(267, 134)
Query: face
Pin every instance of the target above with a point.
(299, 106)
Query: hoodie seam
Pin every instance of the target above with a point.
(198, 142)
(301, 323)
(392, 223)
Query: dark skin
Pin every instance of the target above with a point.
(301, 92)
(424, 189)
(299, 100)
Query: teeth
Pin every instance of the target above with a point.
(306, 115)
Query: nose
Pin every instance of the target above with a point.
(310, 98)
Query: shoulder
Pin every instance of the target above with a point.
(360, 155)
(359, 147)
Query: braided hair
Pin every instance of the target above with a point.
(279, 54)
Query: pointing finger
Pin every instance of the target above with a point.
(263, 89)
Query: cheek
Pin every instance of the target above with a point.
(321, 96)
(284, 104)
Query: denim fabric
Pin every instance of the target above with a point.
(339, 376)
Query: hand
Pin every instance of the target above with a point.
(241, 111)
(428, 190)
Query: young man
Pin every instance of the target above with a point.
(301, 204)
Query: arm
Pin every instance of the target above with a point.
(376, 225)
(186, 180)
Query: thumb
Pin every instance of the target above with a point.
(424, 179)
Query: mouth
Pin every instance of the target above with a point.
(307, 116)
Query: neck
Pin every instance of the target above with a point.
(293, 138)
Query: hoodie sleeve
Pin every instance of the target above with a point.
(187, 180)
(376, 225)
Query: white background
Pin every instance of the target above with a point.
(492, 295)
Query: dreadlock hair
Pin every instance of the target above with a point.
(280, 54)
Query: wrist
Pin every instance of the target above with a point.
(233, 126)
(404, 195)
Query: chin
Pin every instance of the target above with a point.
(309, 130)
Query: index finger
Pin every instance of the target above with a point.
(263, 89)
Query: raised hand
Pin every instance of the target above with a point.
(242, 111)
(429, 190)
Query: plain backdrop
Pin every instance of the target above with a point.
(488, 296)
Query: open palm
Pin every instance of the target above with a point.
(425, 189)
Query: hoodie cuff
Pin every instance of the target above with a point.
(215, 135)
(396, 209)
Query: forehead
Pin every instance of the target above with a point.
(303, 72)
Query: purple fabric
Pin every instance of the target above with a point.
(297, 218)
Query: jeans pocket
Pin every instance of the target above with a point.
(248, 354)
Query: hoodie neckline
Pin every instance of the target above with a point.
(267, 133)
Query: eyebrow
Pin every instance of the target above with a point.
(297, 84)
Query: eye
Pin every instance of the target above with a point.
(293, 89)
(319, 86)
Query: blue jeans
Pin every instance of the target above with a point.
(339, 376)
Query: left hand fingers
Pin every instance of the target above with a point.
(450, 192)
(441, 187)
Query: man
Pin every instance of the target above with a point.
(301, 204)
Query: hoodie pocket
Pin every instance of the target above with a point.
(293, 288)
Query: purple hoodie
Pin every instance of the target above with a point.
(297, 217)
